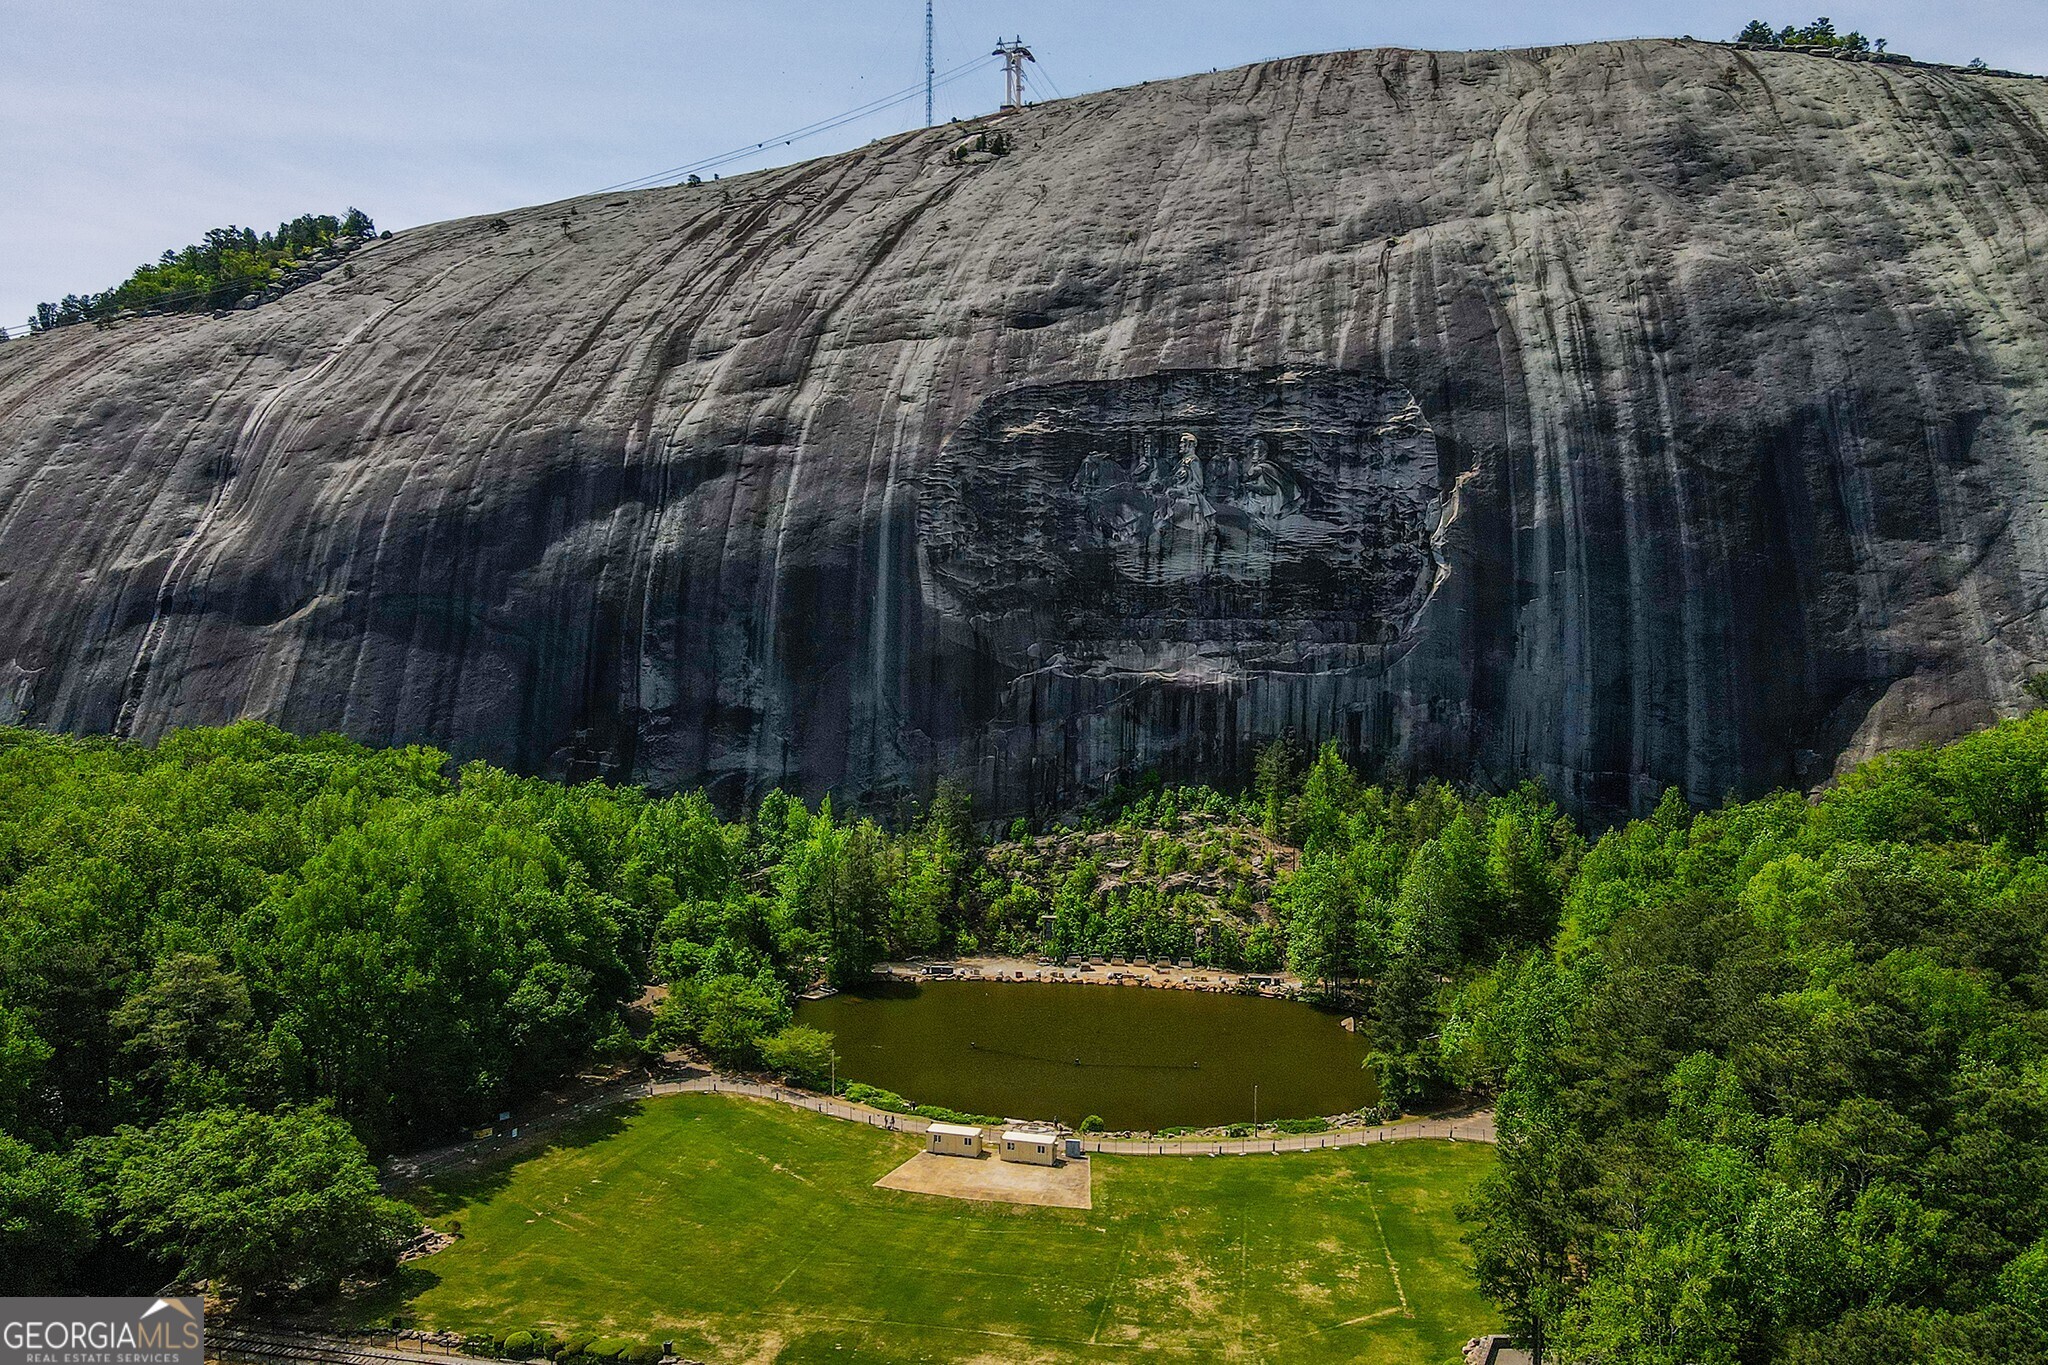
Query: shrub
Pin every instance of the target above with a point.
(574, 1347)
(608, 1348)
(860, 1092)
(938, 1113)
(641, 1353)
(1092, 1124)
(521, 1346)
(1238, 1130)
(1301, 1125)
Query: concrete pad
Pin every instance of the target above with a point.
(1065, 1186)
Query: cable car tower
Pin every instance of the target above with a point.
(1014, 55)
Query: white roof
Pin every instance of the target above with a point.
(1028, 1135)
(955, 1130)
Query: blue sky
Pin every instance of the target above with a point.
(127, 126)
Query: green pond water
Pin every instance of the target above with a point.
(1140, 1058)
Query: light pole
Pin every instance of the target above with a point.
(1255, 1109)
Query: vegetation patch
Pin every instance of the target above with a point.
(1772, 1080)
(715, 1221)
(875, 1097)
(1781, 1090)
(1310, 1125)
(1819, 34)
(219, 270)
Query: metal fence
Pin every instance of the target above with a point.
(1478, 1128)
(1474, 1128)
(266, 1344)
(799, 1099)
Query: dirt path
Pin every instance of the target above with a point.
(986, 1177)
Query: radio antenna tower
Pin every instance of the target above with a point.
(1014, 55)
(927, 63)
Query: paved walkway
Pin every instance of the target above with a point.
(1474, 1127)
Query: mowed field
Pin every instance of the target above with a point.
(747, 1231)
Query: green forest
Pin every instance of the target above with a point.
(217, 271)
(1779, 1092)
(1772, 1080)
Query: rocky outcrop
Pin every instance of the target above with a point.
(1190, 532)
(1624, 415)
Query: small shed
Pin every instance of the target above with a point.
(1036, 1149)
(953, 1139)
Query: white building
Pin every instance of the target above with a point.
(1039, 1149)
(953, 1139)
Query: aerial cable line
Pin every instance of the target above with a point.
(808, 130)
(787, 139)
(825, 125)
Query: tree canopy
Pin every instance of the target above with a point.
(1772, 1080)
(239, 958)
(1820, 33)
(253, 1203)
(1781, 1091)
(214, 272)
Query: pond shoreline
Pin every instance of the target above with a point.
(1275, 985)
(1139, 1060)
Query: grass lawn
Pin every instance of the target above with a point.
(747, 1231)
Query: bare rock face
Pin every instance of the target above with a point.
(1628, 415)
(1190, 530)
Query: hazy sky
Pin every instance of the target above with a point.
(128, 126)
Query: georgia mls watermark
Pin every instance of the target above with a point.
(142, 1331)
